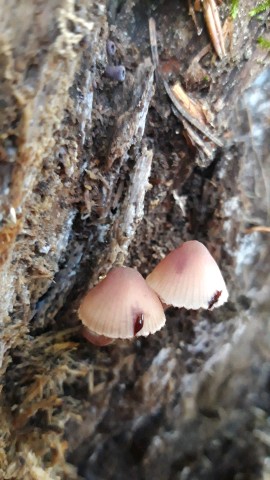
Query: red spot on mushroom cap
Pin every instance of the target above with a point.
(214, 299)
(138, 324)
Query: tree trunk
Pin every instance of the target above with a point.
(96, 173)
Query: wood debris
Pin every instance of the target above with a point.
(185, 113)
(191, 112)
(258, 228)
(213, 23)
(44, 404)
(129, 206)
(130, 123)
(132, 209)
(204, 146)
(192, 106)
(192, 13)
(153, 41)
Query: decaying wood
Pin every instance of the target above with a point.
(193, 120)
(212, 19)
(96, 173)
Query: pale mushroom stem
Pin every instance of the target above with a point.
(98, 340)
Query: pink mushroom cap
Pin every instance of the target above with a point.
(122, 306)
(189, 277)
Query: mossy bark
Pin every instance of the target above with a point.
(96, 173)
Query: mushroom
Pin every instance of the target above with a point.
(120, 306)
(117, 73)
(110, 47)
(189, 277)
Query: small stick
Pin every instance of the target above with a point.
(192, 13)
(153, 41)
(213, 23)
(193, 107)
(197, 139)
(204, 130)
(259, 228)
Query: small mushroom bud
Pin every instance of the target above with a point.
(111, 48)
(121, 306)
(116, 72)
(189, 277)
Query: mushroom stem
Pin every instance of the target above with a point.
(95, 339)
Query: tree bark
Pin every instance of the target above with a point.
(97, 173)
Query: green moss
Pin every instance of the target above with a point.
(260, 8)
(263, 42)
(234, 8)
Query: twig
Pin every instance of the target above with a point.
(192, 107)
(259, 228)
(213, 23)
(204, 130)
(192, 13)
(153, 41)
(197, 139)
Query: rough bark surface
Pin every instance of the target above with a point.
(95, 173)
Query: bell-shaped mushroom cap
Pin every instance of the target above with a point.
(122, 306)
(189, 277)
